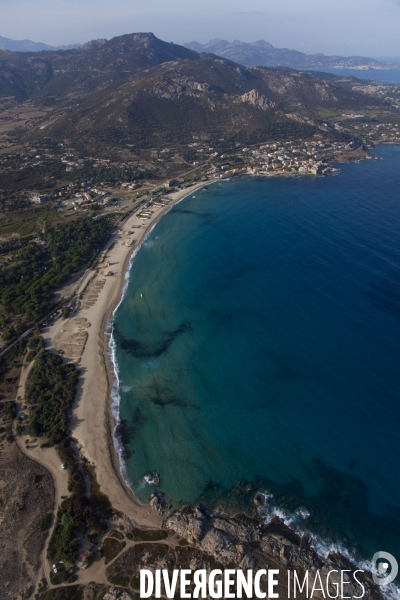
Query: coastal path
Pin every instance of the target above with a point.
(47, 458)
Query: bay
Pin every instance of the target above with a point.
(258, 348)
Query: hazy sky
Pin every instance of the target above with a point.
(365, 27)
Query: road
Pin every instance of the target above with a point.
(21, 337)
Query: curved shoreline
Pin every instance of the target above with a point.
(93, 422)
(109, 467)
(324, 550)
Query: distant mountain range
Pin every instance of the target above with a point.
(29, 46)
(260, 53)
(138, 90)
(263, 53)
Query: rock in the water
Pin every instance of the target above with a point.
(260, 499)
(155, 503)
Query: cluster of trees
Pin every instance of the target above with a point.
(110, 173)
(29, 277)
(15, 176)
(8, 410)
(9, 201)
(12, 244)
(50, 392)
(63, 546)
(76, 512)
(71, 245)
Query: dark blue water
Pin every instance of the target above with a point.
(378, 75)
(258, 346)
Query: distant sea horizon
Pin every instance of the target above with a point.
(258, 349)
(387, 76)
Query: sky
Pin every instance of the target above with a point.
(343, 27)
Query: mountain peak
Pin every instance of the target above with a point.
(214, 46)
(93, 44)
(262, 44)
(110, 63)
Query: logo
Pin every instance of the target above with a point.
(385, 568)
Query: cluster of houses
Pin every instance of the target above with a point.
(39, 198)
(296, 157)
(293, 157)
(75, 196)
(290, 157)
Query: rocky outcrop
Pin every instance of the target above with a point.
(238, 530)
(220, 545)
(249, 544)
(199, 540)
(157, 501)
(176, 88)
(188, 525)
(256, 99)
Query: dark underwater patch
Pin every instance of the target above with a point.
(183, 211)
(161, 395)
(140, 349)
(123, 434)
(126, 432)
(167, 400)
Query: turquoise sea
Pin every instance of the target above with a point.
(258, 348)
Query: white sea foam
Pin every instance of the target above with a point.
(321, 546)
(303, 512)
(112, 348)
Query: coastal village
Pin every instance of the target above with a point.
(293, 159)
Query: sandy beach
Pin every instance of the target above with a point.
(83, 339)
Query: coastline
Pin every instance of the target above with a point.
(94, 418)
(93, 422)
(121, 496)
